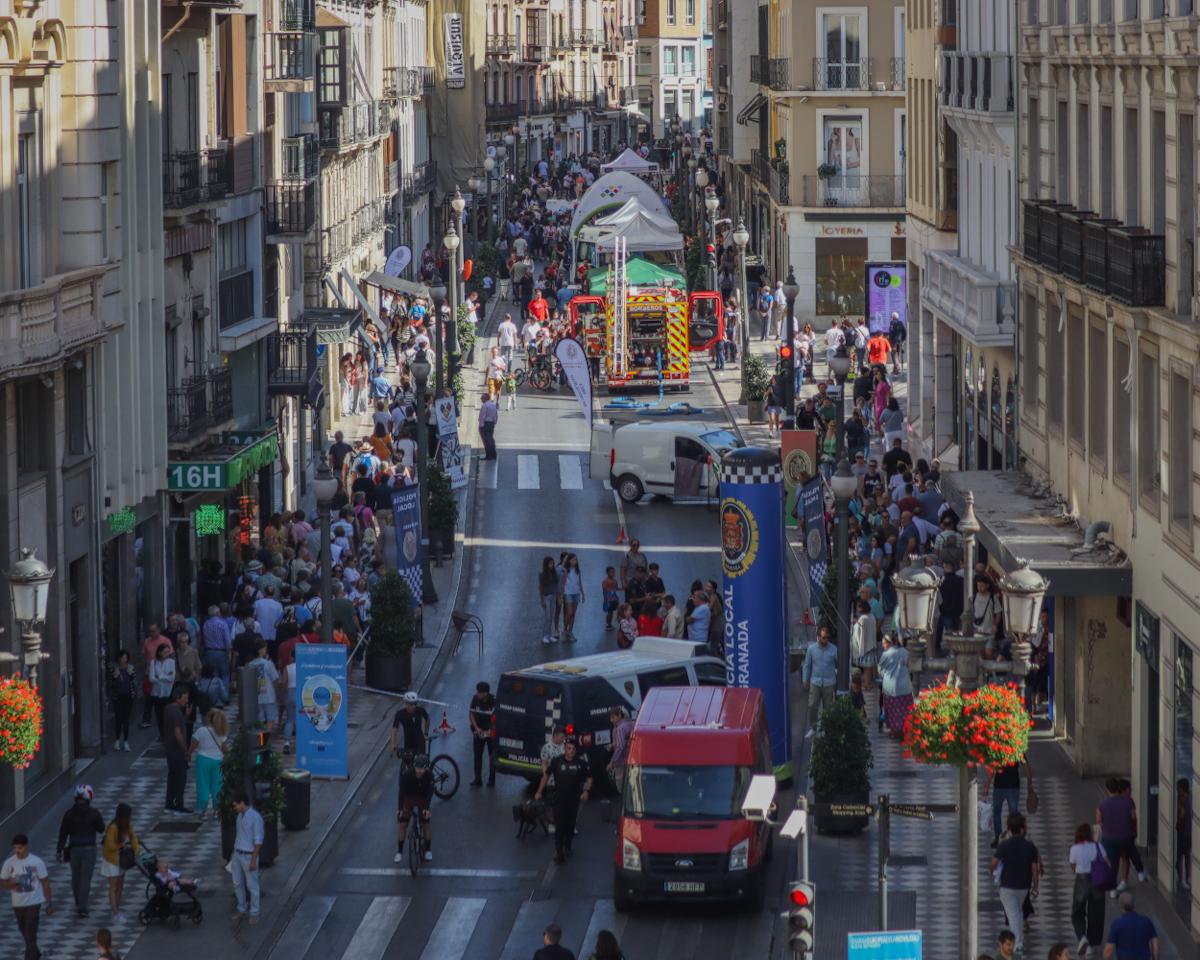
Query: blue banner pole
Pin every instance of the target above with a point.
(321, 709)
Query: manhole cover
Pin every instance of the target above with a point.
(908, 861)
(176, 826)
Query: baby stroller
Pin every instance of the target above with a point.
(163, 903)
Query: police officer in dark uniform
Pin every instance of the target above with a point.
(572, 783)
(482, 713)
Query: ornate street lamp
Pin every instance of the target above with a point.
(844, 485)
(325, 486)
(711, 202)
(840, 366)
(741, 237)
(28, 593)
(452, 242)
(1022, 593)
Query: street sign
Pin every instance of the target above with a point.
(921, 811)
(843, 809)
(885, 945)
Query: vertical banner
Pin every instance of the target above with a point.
(799, 451)
(812, 508)
(321, 707)
(571, 355)
(406, 513)
(887, 293)
(456, 73)
(448, 446)
(752, 563)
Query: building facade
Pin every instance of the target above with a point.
(829, 167)
(1108, 345)
(669, 64)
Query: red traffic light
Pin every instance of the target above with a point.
(799, 897)
(785, 352)
(711, 248)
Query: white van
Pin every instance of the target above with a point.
(578, 694)
(673, 458)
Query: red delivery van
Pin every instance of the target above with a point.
(682, 834)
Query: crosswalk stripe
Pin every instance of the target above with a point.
(527, 928)
(527, 472)
(454, 929)
(570, 472)
(489, 473)
(379, 924)
(604, 917)
(302, 929)
(475, 872)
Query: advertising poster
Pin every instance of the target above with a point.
(752, 563)
(456, 73)
(448, 446)
(812, 508)
(321, 708)
(571, 355)
(799, 451)
(887, 293)
(886, 945)
(406, 513)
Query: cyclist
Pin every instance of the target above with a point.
(416, 790)
(415, 720)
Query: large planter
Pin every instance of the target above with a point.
(756, 411)
(393, 674)
(832, 823)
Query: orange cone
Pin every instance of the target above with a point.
(445, 723)
(622, 537)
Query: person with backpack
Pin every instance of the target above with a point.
(764, 308)
(1094, 876)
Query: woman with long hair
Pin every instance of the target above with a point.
(104, 944)
(547, 596)
(162, 679)
(118, 836)
(573, 595)
(607, 947)
(209, 744)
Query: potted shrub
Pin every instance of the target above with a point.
(443, 510)
(20, 721)
(268, 796)
(757, 381)
(827, 171)
(394, 632)
(840, 765)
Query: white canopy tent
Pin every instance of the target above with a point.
(642, 233)
(610, 192)
(629, 162)
(632, 209)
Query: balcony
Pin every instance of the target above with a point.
(847, 190)
(330, 324)
(291, 61)
(757, 68)
(301, 157)
(501, 45)
(428, 77)
(41, 324)
(504, 112)
(291, 209)
(422, 179)
(335, 244)
(298, 14)
(367, 220)
(982, 82)
(587, 38)
(220, 395)
(293, 369)
(408, 83)
(183, 180)
(187, 411)
(1127, 263)
(897, 73)
(535, 52)
(777, 73)
(629, 32)
(353, 123)
(391, 82)
(218, 173)
(775, 180)
(979, 305)
(841, 74)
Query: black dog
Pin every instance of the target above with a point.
(531, 814)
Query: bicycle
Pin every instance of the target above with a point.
(415, 841)
(443, 769)
(537, 373)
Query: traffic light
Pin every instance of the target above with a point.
(258, 745)
(800, 918)
(453, 366)
(787, 376)
(712, 258)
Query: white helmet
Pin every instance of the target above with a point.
(84, 790)
(411, 697)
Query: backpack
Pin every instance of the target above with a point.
(764, 300)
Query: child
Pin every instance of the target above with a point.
(170, 879)
(608, 588)
(628, 625)
(857, 700)
(510, 391)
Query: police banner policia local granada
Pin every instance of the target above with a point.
(756, 648)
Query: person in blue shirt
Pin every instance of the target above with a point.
(820, 677)
(1132, 935)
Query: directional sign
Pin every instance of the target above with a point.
(917, 811)
(843, 809)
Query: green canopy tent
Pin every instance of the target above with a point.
(640, 273)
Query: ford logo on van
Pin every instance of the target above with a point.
(685, 864)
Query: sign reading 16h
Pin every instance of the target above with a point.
(196, 476)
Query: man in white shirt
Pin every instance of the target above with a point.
(529, 333)
(26, 876)
(268, 612)
(497, 368)
(506, 337)
(862, 333)
(268, 682)
(834, 338)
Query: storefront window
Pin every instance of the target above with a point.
(841, 277)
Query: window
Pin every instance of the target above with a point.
(331, 88)
(1054, 366)
(1083, 184)
(77, 408)
(168, 138)
(1149, 479)
(108, 203)
(1076, 331)
(1029, 358)
(710, 675)
(690, 12)
(842, 139)
(840, 275)
(668, 677)
(670, 58)
(236, 287)
(1033, 149)
(233, 247)
(1131, 178)
(193, 111)
(27, 167)
(1062, 152)
(32, 416)
(688, 68)
(844, 67)
(1179, 454)
(1106, 162)
(671, 12)
(1121, 409)
(1097, 392)
(1158, 160)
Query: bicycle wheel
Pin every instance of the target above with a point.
(445, 775)
(540, 378)
(415, 843)
(519, 377)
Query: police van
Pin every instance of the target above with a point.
(578, 694)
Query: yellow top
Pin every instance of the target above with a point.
(111, 846)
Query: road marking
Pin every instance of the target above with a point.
(570, 472)
(440, 872)
(604, 917)
(302, 929)
(379, 924)
(527, 472)
(607, 485)
(527, 928)
(454, 929)
(489, 473)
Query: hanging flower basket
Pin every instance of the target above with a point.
(20, 721)
(947, 727)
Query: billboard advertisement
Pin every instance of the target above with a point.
(887, 293)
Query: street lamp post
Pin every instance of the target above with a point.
(1022, 593)
(712, 204)
(741, 237)
(28, 593)
(452, 242)
(844, 484)
(489, 164)
(791, 290)
(438, 292)
(700, 186)
(325, 486)
(420, 368)
(840, 365)
(475, 184)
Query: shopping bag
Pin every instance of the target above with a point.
(985, 816)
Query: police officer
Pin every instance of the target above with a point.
(573, 782)
(481, 714)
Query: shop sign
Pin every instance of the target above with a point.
(828, 231)
(456, 74)
(187, 477)
(195, 476)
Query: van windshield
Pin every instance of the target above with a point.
(685, 793)
(722, 441)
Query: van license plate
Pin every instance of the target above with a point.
(683, 886)
(511, 743)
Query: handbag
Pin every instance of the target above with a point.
(125, 858)
(1031, 802)
(1103, 876)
